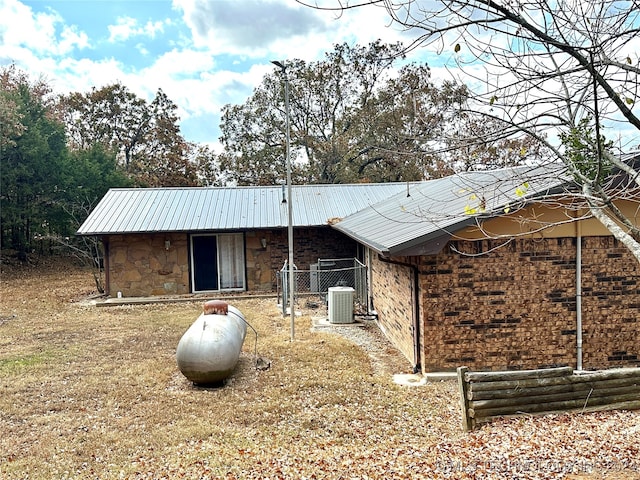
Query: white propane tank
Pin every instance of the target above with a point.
(210, 348)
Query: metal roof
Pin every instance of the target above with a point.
(138, 210)
(422, 221)
(392, 218)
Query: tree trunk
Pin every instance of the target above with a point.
(616, 230)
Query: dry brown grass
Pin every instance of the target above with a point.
(90, 392)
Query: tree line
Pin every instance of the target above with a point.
(548, 79)
(361, 114)
(59, 154)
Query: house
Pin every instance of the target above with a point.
(167, 241)
(477, 269)
(500, 270)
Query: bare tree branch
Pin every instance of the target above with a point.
(561, 73)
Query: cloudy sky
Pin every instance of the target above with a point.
(202, 53)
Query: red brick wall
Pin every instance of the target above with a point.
(515, 307)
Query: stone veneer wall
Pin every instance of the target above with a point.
(139, 264)
(515, 307)
(258, 259)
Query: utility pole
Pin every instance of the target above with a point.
(292, 312)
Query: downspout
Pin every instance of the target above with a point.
(106, 265)
(416, 309)
(578, 296)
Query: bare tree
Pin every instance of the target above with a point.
(88, 250)
(562, 72)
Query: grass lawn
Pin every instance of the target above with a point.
(89, 392)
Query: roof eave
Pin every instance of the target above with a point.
(381, 249)
(432, 243)
(422, 246)
(429, 244)
(204, 230)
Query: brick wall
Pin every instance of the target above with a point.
(515, 307)
(610, 304)
(310, 244)
(512, 308)
(321, 242)
(392, 299)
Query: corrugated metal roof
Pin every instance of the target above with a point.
(437, 207)
(137, 210)
(392, 218)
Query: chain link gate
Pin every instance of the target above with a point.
(326, 273)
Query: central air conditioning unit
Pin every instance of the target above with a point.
(341, 304)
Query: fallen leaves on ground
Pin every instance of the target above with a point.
(90, 392)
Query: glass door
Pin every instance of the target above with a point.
(204, 262)
(217, 262)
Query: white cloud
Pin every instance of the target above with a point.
(73, 75)
(198, 86)
(142, 49)
(124, 28)
(42, 33)
(128, 27)
(70, 38)
(22, 28)
(152, 29)
(183, 63)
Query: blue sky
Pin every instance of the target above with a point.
(202, 53)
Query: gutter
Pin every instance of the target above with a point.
(416, 309)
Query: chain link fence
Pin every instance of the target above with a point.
(326, 273)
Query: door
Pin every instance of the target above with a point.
(204, 259)
(217, 262)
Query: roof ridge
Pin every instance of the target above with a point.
(257, 187)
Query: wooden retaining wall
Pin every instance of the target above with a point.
(485, 396)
